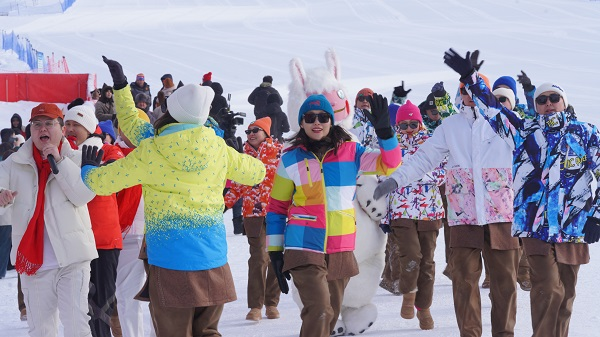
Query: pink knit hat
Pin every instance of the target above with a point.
(408, 111)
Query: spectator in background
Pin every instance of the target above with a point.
(141, 87)
(279, 120)
(219, 104)
(16, 123)
(19, 140)
(142, 102)
(54, 268)
(8, 140)
(95, 95)
(259, 96)
(167, 88)
(105, 107)
(5, 230)
(207, 80)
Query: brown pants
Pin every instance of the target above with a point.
(186, 322)
(416, 266)
(321, 299)
(263, 288)
(466, 271)
(391, 274)
(523, 273)
(552, 295)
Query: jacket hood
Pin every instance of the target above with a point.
(217, 88)
(187, 147)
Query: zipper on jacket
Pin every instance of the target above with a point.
(324, 195)
(308, 172)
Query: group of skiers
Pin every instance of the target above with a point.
(507, 181)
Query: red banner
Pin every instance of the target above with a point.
(55, 88)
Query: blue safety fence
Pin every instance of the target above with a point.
(23, 48)
(66, 4)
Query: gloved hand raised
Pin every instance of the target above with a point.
(379, 116)
(277, 263)
(116, 72)
(400, 91)
(525, 82)
(91, 156)
(591, 229)
(236, 143)
(438, 89)
(384, 188)
(474, 57)
(461, 65)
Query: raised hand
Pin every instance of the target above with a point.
(379, 116)
(438, 89)
(400, 91)
(525, 82)
(461, 65)
(91, 156)
(116, 72)
(474, 57)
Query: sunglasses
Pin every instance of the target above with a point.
(434, 112)
(363, 99)
(502, 99)
(404, 126)
(463, 91)
(542, 99)
(311, 118)
(255, 130)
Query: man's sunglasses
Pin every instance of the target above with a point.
(542, 99)
(502, 99)
(404, 126)
(311, 118)
(363, 99)
(255, 130)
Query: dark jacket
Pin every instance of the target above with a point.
(19, 130)
(258, 98)
(105, 107)
(145, 89)
(279, 121)
(219, 103)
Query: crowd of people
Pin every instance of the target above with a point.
(120, 200)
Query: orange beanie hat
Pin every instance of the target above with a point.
(263, 123)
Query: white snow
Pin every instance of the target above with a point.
(380, 43)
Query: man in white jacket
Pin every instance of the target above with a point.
(480, 214)
(53, 242)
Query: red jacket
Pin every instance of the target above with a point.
(128, 201)
(256, 197)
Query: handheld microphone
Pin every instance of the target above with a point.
(52, 162)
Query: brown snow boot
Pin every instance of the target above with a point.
(272, 312)
(408, 306)
(254, 315)
(425, 319)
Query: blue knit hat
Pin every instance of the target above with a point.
(315, 102)
(507, 81)
(107, 127)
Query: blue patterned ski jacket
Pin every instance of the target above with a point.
(554, 159)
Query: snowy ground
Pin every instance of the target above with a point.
(379, 42)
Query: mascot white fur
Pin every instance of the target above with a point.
(358, 312)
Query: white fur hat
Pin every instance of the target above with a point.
(551, 87)
(190, 103)
(83, 114)
(508, 93)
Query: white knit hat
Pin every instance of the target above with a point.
(551, 87)
(84, 115)
(508, 93)
(190, 103)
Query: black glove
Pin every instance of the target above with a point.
(379, 116)
(235, 143)
(474, 57)
(277, 263)
(385, 228)
(525, 82)
(400, 91)
(461, 65)
(91, 156)
(591, 229)
(438, 89)
(116, 72)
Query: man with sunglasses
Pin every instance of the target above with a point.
(478, 189)
(557, 214)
